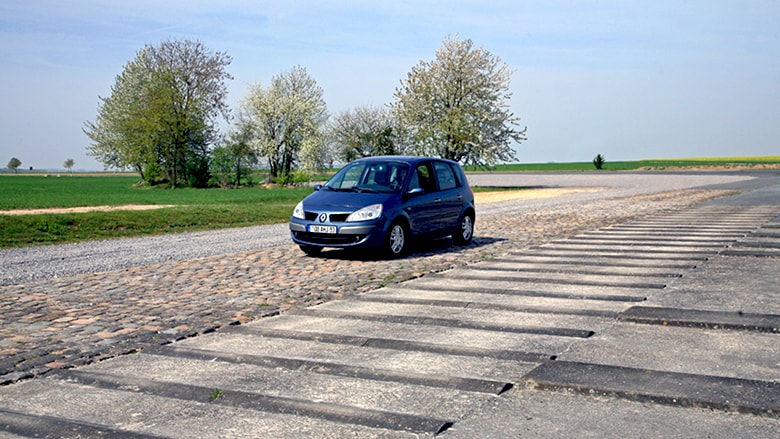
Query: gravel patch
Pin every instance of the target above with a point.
(54, 261)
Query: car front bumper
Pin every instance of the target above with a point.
(357, 235)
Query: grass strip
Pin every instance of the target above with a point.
(25, 230)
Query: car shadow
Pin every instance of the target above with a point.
(428, 247)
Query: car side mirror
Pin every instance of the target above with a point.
(317, 187)
(415, 191)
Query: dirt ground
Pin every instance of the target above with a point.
(480, 197)
(85, 209)
(527, 194)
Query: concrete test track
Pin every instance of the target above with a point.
(663, 326)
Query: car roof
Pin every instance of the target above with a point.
(401, 158)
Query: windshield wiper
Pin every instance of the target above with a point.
(359, 189)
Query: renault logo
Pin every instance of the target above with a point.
(323, 217)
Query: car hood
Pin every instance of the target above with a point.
(343, 201)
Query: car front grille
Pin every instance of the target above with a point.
(333, 217)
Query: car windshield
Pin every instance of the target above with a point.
(370, 176)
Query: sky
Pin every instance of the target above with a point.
(625, 79)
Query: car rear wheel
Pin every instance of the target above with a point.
(395, 241)
(311, 250)
(465, 230)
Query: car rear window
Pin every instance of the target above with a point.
(445, 176)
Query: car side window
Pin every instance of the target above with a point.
(398, 175)
(423, 178)
(445, 176)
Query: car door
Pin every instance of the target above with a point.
(421, 201)
(450, 196)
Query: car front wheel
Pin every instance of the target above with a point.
(395, 241)
(465, 230)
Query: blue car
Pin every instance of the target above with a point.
(385, 203)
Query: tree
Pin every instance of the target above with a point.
(235, 156)
(14, 164)
(287, 120)
(599, 161)
(363, 132)
(69, 164)
(161, 116)
(456, 105)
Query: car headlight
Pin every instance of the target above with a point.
(367, 213)
(298, 211)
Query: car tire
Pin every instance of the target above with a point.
(311, 250)
(396, 240)
(465, 231)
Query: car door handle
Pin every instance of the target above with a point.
(437, 200)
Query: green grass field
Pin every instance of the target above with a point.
(197, 209)
(638, 164)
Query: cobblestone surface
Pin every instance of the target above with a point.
(75, 320)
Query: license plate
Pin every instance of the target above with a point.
(315, 228)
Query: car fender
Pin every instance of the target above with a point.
(395, 215)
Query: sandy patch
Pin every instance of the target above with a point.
(528, 194)
(85, 209)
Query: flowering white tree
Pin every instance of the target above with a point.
(456, 106)
(287, 120)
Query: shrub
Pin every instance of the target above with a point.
(599, 161)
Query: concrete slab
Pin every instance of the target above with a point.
(534, 278)
(671, 388)
(452, 339)
(247, 343)
(445, 322)
(719, 286)
(529, 413)
(543, 269)
(64, 409)
(514, 288)
(516, 303)
(679, 250)
(198, 379)
(717, 352)
(551, 251)
(584, 261)
(476, 316)
(702, 319)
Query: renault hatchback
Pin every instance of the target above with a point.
(385, 203)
